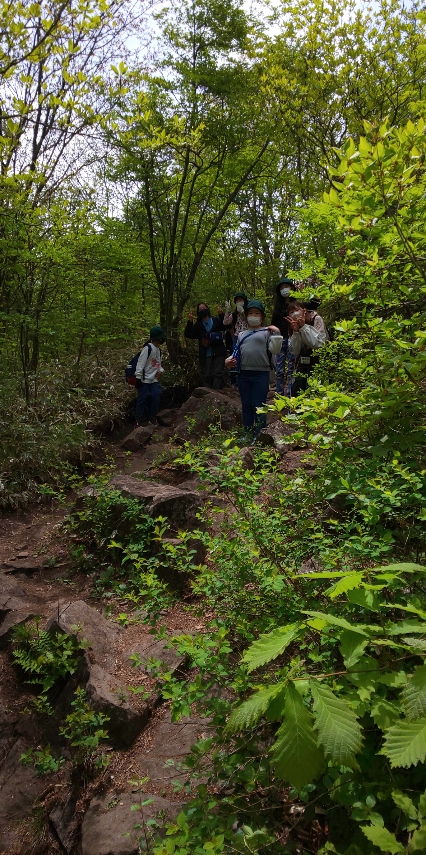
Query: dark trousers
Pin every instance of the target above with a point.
(253, 387)
(149, 396)
(213, 371)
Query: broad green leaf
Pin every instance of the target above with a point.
(295, 754)
(405, 743)
(338, 730)
(404, 803)
(332, 620)
(384, 839)
(415, 643)
(393, 679)
(418, 840)
(250, 711)
(422, 805)
(405, 626)
(399, 568)
(384, 713)
(352, 646)
(364, 675)
(344, 585)
(414, 694)
(364, 598)
(269, 646)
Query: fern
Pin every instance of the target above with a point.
(295, 753)
(45, 656)
(269, 646)
(405, 743)
(251, 711)
(338, 730)
(414, 695)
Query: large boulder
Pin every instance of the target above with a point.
(138, 438)
(98, 634)
(207, 407)
(112, 824)
(277, 435)
(109, 696)
(179, 506)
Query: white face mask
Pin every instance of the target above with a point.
(254, 321)
(285, 292)
(240, 307)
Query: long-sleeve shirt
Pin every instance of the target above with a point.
(148, 366)
(254, 346)
(309, 336)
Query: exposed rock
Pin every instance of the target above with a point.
(179, 506)
(292, 461)
(171, 741)
(109, 823)
(109, 696)
(167, 417)
(162, 435)
(14, 618)
(247, 459)
(9, 588)
(19, 786)
(206, 407)
(28, 566)
(65, 824)
(276, 434)
(138, 438)
(157, 649)
(81, 620)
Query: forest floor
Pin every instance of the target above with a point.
(36, 552)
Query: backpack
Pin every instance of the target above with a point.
(237, 351)
(129, 372)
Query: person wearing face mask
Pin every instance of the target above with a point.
(279, 319)
(208, 331)
(251, 357)
(309, 332)
(235, 322)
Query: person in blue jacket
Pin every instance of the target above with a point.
(209, 331)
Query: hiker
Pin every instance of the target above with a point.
(251, 357)
(148, 372)
(211, 348)
(235, 322)
(309, 332)
(279, 319)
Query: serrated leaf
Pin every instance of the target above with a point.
(344, 585)
(422, 805)
(352, 646)
(405, 626)
(404, 803)
(332, 620)
(269, 646)
(384, 713)
(364, 598)
(413, 696)
(405, 743)
(295, 754)
(399, 568)
(339, 732)
(252, 710)
(384, 839)
(418, 840)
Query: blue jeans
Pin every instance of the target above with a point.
(149, 396)
(253, 387)
(280, 367)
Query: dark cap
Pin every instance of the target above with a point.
(240, 294)
(256, 304)
(157, 334)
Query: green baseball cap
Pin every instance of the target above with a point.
(256, 304)
(157, 334)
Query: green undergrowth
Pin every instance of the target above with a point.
(51, 435)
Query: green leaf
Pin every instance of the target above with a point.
(404, 803)
(405, 743)
(414, 694)
(336, 621)
(422, 805)
(352, 646)
(296, 756)
(251, 710)
(270, 646)
(418, 840)
(337, 725)
(383, 838)
(364, 598)
(400, 568)
(384, 713)
(344, 585)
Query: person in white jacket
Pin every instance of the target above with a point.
(309, 333)
(148, 372)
